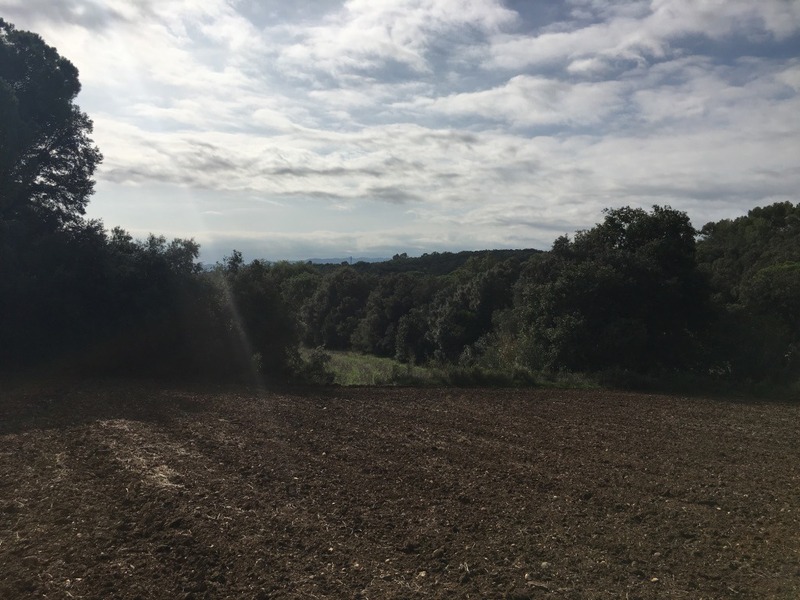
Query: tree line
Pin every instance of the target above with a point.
(642, 292)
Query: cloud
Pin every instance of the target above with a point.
(529, 100)
(694, 92)
(427, 124)
(639, 32)
(91, 15)
(393, 194)
(366, 35)
(306, 172)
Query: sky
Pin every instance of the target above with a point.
(330, 128)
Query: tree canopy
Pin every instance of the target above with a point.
(626, 293)
(46, 156)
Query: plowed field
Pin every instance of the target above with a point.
(127, 490)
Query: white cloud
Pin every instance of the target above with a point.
(367, 35)
(529, 100)
(752, 97)
(627, 36)
(425, 124)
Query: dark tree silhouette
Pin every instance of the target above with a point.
(46, 156)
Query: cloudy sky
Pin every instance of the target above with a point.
(320, 128)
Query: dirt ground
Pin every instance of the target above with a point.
(129, 490)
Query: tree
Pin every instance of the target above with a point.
(754, 267)
(732, 251)
(259, 318)
(411, 342)
(74, 295)
(46, 156)
(338, 305)
(762, 340)
(394, 295)
(463, 314)
(626, 294)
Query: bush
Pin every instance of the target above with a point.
(311, 369)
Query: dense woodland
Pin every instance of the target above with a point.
(643, 292)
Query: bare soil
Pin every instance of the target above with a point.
(130, 490)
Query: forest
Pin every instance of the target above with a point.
(642, 294)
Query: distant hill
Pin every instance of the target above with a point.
(348, 260)
(435, 263)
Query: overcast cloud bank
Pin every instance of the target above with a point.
(369, 128)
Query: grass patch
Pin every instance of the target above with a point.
(320, 367)
(353, 369)
(350, 368)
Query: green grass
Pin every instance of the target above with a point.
(351, 368)
(354, 369)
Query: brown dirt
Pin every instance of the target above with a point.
(125, 490)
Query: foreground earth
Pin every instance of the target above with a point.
(129, 490)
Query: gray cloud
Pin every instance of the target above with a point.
(90, 15)
(392, 194)
(751, 192)
(329, 172)
(642, 32)
(460, 123)
(206, 158)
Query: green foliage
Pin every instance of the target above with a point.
(312, 367)
(624, 294)
(86, 299)
(412, 344)
(775, 290)
(353, 369)
(628, 299)
(463, 313)
(259, 318)
(336, 308)
(769, 322)
(732, 251)
(753, 263)
(391, 299)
